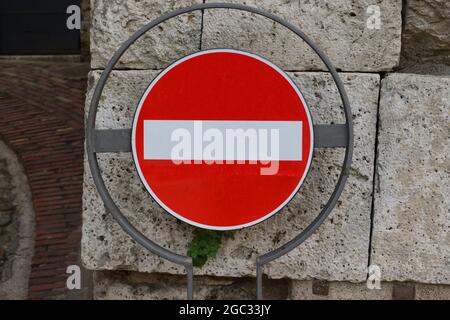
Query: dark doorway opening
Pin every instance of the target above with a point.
(30, 27)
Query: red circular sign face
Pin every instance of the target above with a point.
(222, 139)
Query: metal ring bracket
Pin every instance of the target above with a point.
(107, 141)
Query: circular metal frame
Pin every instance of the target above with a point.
(283, 74)
(136, 234)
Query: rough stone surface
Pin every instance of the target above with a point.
(432, 292)
(429, 68)
(426, 36)
(125, 285)
(16, 227)
(113, 22)
(342, 29)
(140, 286)
(302, 290)
(339, 250)
(411, 239)
(403, 291)
(8, 227)
(119, 98)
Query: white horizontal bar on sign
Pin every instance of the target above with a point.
(222, 140)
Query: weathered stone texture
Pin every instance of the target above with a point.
(16, 227)
(113, 22)
(302, 290)
(411, 238)
(141, 286)
(124, 285)
(119, 97)
(432, 292)
(342, 29)
(339, 28)
(339, 250)
(426, 36)
(8, 227)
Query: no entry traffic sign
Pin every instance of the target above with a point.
(222, 139)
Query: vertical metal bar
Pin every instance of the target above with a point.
(190, 280)
(259, 287)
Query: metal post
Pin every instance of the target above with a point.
(259, 284)
(190, 280)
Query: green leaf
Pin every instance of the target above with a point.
(204, 245)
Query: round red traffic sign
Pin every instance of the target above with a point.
(222, 139)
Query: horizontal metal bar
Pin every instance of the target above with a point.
(112, 140)
(119, 140)
(330, 136)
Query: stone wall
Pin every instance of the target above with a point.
(16, 227)
(394, 211)
(411, 239)
(426, 36)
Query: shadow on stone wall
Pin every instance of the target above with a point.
(426, 37)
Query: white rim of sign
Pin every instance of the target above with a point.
(161, 203)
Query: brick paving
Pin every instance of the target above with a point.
(41, 107)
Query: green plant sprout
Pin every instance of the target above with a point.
(205, 244)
